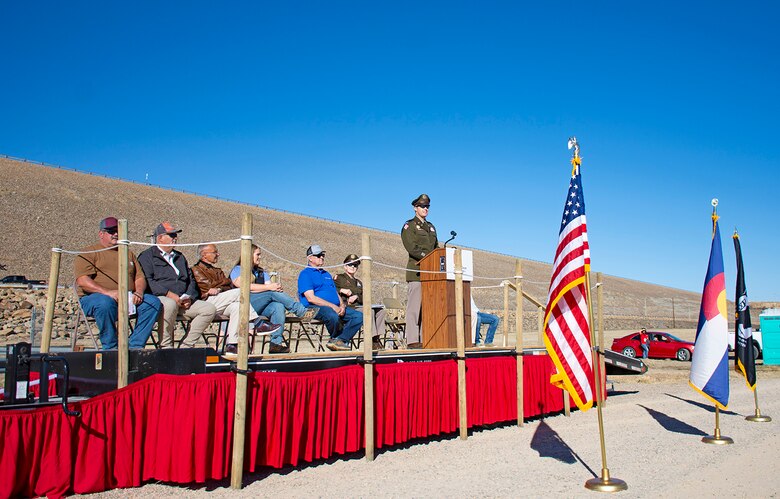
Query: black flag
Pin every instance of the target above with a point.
(744, 360)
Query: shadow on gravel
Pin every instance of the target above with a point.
(548, 443)
(673, 424)
(617, 393)
(710, 408)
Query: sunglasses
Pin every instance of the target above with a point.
(112, 232)
(426, 206)
(173, 236)
(356, 265)
(321, 255)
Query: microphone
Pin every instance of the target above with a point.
(453, 234)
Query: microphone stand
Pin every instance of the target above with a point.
(453, 234)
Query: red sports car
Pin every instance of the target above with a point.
(661, 345)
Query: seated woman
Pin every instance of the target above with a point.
(267, 298)
(351, 291)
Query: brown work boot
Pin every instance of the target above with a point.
(414, 346)
(376, 344)
(274, 348)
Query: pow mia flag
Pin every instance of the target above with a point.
(744, 360)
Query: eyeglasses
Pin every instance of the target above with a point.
(321, 255)
(424, 206)
(112, 232)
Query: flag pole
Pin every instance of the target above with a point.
(717, 438)
(605, 483)
(757, 417)
(744, 353)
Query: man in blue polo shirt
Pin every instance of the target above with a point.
(316, 288)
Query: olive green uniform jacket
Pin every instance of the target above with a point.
(344, 281)
(419, 238)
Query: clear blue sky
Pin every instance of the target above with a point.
(349, 110)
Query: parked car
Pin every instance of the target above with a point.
(758, 344)
(661, 346)
(19, 279)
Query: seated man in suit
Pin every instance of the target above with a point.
(316, 287)
(97, 283)
(171, 280)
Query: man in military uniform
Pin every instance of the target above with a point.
(419, 238)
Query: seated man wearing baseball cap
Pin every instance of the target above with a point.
(316, 287)
(97, 280)
(171, 280)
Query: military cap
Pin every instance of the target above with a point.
(421, 199)
(352, 258)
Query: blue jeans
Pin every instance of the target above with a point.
(350, 324)
(105, 312)
(272, 304)
(645, 351)
(492, 322)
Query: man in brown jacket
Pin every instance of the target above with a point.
(217, 289)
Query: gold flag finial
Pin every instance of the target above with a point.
(576, 161)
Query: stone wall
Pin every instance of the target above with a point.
(22, 311)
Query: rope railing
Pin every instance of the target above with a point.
(301, 265)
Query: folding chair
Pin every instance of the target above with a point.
(82, 319)
(89, 323)
(306, 327)
(395, 323)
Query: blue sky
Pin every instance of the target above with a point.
(349, 110)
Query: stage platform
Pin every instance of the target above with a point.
(178, 428)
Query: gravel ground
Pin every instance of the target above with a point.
(653, 426)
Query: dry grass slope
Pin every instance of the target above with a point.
(42, 207)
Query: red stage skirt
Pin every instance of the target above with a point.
(179, 428)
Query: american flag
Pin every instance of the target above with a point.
(566, 332)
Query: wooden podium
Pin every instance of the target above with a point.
(438, 301)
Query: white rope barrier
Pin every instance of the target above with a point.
(183, 245)
(300, 265)
(489, 287)
(68, 252)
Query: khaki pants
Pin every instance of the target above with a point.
(226, 303)
(200, 315)
(413, 312)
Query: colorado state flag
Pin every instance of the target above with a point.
(710, 367)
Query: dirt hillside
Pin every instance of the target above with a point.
(42, 207)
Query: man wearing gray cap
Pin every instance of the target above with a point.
(170, 278)
(419, 238)
(97, 281)
(316, 287)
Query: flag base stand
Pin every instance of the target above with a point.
(606, 483)
(717, 440)
(757, 417)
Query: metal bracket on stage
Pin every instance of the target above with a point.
(44, 380)
(518, 354)
(19, 360)
(363, 362)
(455, 356)
(234, 368)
